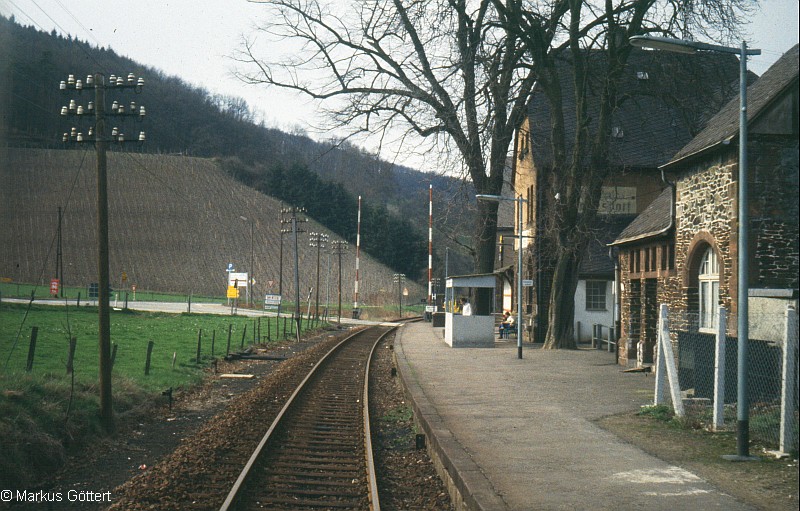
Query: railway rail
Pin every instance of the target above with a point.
(317, 454)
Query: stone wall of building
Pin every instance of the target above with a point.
(774, 212)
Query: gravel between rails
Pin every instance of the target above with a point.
(199, 472)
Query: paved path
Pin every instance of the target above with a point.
(521, 433)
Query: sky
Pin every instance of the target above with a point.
(195, 40)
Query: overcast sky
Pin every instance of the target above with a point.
(194, 39)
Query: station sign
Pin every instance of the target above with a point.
(237, 279)
(272, 302)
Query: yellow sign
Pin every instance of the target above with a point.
(233, 292)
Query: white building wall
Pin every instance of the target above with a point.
(585, 318)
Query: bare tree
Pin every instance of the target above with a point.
(445, 71)
(593, 38)
(460, 74)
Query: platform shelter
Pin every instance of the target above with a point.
(473, 331)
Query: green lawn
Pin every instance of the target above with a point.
(21, 290)
(45, 412)
(172, 334)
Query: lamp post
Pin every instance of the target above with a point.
(519, 200)
(682, 46)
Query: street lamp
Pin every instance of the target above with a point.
(519, 200)
(682, 46)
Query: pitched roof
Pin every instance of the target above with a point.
(596, 261)
(724, 126)
(663, 101)
(656, 219)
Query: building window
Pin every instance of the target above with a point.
(708, 290)
(596, 295)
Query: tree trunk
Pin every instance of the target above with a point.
(562, 302)
(484, 253)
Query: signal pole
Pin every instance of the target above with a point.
(97, 134)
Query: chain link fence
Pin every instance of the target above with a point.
(695, 354)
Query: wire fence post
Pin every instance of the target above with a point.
(32, 348)
(788, 432)
(666, 369)
(719, 371)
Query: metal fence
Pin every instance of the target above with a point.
(706, 370)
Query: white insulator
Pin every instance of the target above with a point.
(114, 131)
(80, 109)
(71, 79)
(64, 110)
(80, 137)
(72, 104)
(79, 85)
(62, 85)
(141, 136)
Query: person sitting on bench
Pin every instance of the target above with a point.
(507, 324)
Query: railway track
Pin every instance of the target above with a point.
(317, 453)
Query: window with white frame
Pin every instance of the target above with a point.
(596, 295)
(708, 289)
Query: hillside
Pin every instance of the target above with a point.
(186, 120)
(174, 225)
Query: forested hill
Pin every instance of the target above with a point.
(184, 119)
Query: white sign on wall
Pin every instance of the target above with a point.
(617, 200)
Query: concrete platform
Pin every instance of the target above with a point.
(511, 434)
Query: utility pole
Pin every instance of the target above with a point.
(318, 240)
(283, 230)
(293, 220)
(97, 135)
(400, 278)
(338, 248)
(59, 258)
(252, 277)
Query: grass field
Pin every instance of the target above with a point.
(20, 290)
(45, 411)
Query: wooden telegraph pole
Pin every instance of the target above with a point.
(97, 134)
